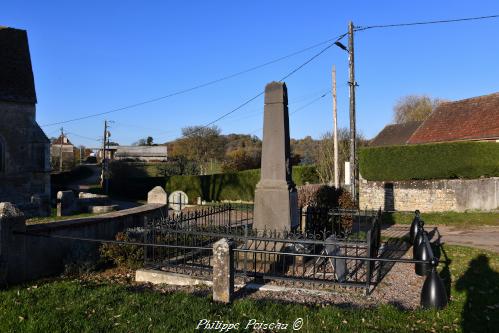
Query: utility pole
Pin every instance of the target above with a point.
(60, 150)
(335, 131)
(108, 135)
(104, 160)
(353, 135)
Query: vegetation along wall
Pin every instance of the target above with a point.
(456, 176)
(231, 186)
(468, 160)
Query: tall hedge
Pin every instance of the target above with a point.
(134, 188)
(430, 161)
(230, 186)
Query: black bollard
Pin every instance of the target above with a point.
(418, 239)
(414, 226)
(423, 252)
(433, 294)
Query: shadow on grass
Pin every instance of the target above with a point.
(440, 253)
(479, 313)
(387, 219)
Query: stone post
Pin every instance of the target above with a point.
(223, 271)
(276, 201)
(12, 246)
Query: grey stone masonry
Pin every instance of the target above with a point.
(12, 245)
(223, 271)
(157, 196)
(276, 203)
(437, 195)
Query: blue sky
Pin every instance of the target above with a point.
(94, 56)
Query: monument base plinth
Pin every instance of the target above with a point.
(276, 208)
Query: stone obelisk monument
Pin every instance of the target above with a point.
(276, 201)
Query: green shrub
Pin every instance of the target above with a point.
(305, 174)
(124, 255)
(230, 186)
(320, 199)
(81, 258)
(430, 161)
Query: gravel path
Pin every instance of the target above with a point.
(483, 237)
(399, 286)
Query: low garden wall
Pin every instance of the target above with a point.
(430, 195)
(26, 255)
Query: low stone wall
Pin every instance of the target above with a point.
(431, 195)
(24, 257)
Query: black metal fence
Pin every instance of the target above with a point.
(351, 256)
(307, 254)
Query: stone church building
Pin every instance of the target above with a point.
(24, 148)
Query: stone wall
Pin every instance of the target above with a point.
(25, 257)
(431, 195)
(25, 169)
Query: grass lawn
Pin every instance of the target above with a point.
(66, 305)
(466, 219)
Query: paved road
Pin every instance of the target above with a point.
(83, 185)
(483, 237)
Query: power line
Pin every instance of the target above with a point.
(282, 79)
(186, 90)
(310, 103)
(82, 136)
(361, 28)
(300, 108)
(183, 91)
(259, 111)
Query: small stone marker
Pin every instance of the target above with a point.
(157, 196)
(223, 271)
(66, 203)
(178, 200)
(276, 200)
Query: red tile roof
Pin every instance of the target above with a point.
(64, 140)
(474, 118)
(395, 134)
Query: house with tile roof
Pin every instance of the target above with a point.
(395, 134)
(469, 119)
(62, 147)
(24, 148)
(472, 119)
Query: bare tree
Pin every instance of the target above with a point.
(325, 158)
(200, 144)
(414, 108)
